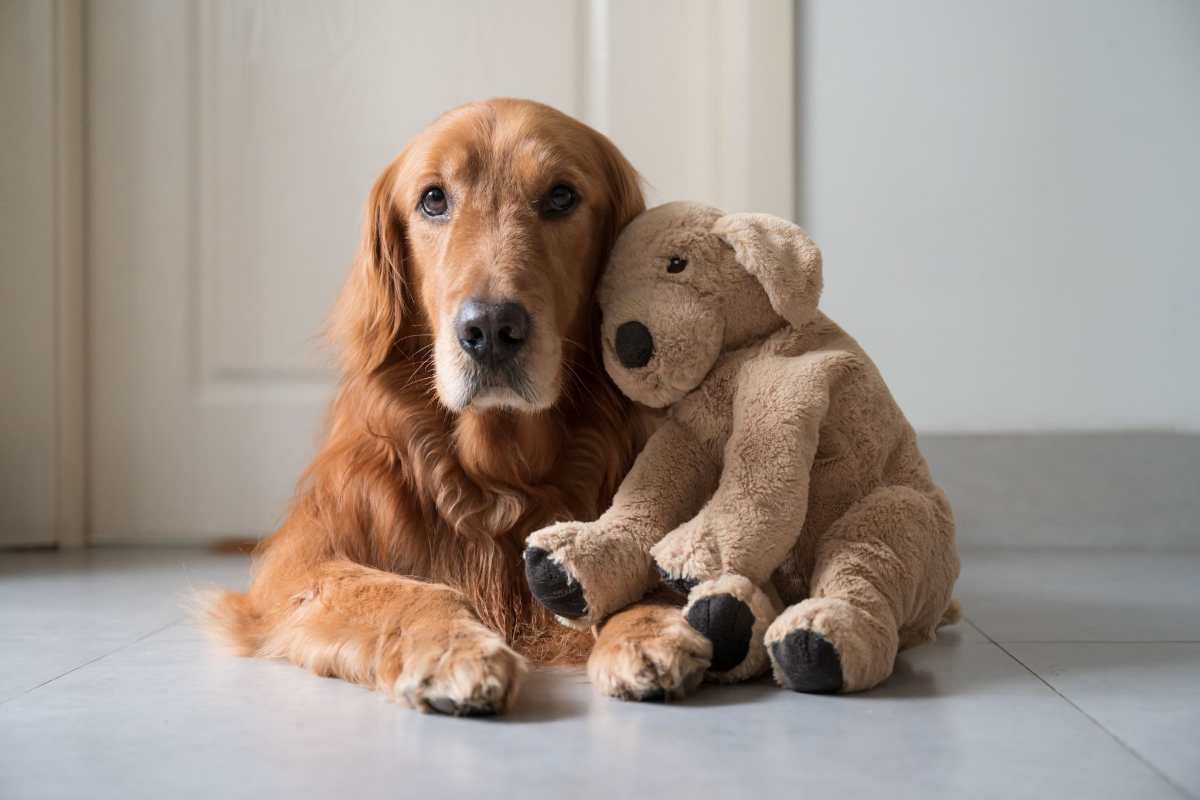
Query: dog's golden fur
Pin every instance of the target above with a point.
(399, 563)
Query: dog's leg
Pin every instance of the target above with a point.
(419, 642)
(648, 652)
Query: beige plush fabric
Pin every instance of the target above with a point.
(782, 460)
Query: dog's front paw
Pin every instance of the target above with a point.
(659, 658)
(583, 572)
(475, 674)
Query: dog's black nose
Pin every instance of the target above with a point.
(634, 345)
(491, 333)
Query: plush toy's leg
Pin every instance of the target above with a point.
(882, 578)
(733, 614)
(584, 571)
(751, 522)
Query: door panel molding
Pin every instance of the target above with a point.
(70, 310)
(718, 128)
(42, 313)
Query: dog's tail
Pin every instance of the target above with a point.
(232, 619)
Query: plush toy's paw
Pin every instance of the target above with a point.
(805, 661)
(686, 556)
(726, 622)
(658, 659)
(583, 572)
(553, 586)
(733, 614)
(682, 586)
(826, 644)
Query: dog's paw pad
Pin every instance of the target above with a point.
(474, 674)
(805, 661)
(452, 708)
(726, 622)
(552, 586)
(654, 696)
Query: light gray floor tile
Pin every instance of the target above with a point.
(118, 593)
(175, 717)
(1082, 595)
(60, 610)
(964, 632)
(164, 713)
(29, 661)
(1146, 694)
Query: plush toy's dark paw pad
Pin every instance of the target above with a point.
(728, 623)
(552, 586)
(444, 705)
(680, 585)
(808, 662)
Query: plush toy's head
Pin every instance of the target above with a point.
(686, 283)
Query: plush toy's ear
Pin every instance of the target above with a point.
(781, 256)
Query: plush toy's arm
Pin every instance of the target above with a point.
(584, 571)
(669, 482)
(755, 515)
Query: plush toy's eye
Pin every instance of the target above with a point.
(676, 264)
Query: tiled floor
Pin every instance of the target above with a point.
(1079, 677)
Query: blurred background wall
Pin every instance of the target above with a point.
(1005, 192)
(1007, 195)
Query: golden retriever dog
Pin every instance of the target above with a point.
(472, 409)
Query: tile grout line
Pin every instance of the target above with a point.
(1092, 641)
(88, 663)
(1124, 745)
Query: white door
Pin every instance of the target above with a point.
(231, 146)
(41, 310)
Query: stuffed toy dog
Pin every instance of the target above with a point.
(783, 491)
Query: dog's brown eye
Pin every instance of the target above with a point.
(434, 202)
(560, 200)
(676, 264)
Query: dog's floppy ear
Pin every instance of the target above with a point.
(781, 256)
(367, 319)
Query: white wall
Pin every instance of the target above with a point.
(1008, 195)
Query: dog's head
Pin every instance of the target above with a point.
(481, 248)
(686, 283)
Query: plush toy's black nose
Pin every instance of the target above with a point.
(634, 345)
(491, 333)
